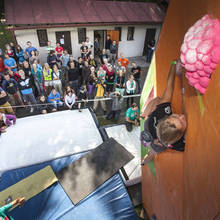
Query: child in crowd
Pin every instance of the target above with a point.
(130, 88)
(43, 106)
(54, 99)
(70, 99)
(83, 97)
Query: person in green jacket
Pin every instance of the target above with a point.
(5, 209)
(38, 79)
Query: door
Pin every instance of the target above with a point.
(63, 37)
(114, 35)
(149, 38)
(100, 35)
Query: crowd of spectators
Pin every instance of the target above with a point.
(64, 82)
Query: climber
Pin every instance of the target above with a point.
(4, 209)
(163, 129)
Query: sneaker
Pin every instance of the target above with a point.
(32, 110)
(80, 110)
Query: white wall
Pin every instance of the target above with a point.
(129, 48)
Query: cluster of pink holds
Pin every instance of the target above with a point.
(200, 52)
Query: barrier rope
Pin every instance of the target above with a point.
(87, 100)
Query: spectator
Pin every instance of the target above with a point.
(73, 77)
(71, 60)
(110, 78)
(89, 45)
(85, 73)
(52, 59)
(38, 79)
(13, 75)
(80, 65)
(29, 49)
(116, 106)
(130, 88)
(54, 99)
(106, 63)
(5, 107)
(6, 121)
(101, 73)
(100, 92)
(113, 51)
(150, 50)
(43, 106)
(48, 78)
(65, 59)
(70, 99)
(120, 67)
(38, 65)
(108, 43)
(10, 63)
(124, 61)
(136, 72)
(26, 68)
(103, 56)
(84, 51)
(10, 86)
(120, 82)
(49, 47)
(57, 79)
(25, 86)
(132, 117)
(96, 46)
(92, 61)
(83, 97)
(6, 208)
(10, 51)
(59, 50)
(20, 54)
(92, 80)
(11, 44)
(2, 67)
(33, 57)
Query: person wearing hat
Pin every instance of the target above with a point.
(163, 129)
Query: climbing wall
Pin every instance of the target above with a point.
(186, 185)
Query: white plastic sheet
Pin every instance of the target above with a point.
(131, 141)
(40, 138)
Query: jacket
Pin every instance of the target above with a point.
(52, 98)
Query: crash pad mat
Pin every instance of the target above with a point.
(89, 172)
(29, 186)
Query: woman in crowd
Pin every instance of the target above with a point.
(48, 78)
(120, 82)
(20, 54)
(57, 79)
(110, 78)
(70, 99)
(33, 57)
(92, 82)
(101, 73)
(130, 89)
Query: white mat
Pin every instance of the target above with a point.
(131, 141)
(41, 138)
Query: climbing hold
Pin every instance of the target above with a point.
(200, 52)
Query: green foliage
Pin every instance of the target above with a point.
(5, 36)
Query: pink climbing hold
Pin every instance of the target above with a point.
(200, 52)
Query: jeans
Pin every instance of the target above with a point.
(113, 114)
(139, 85)
(29, 98)
(95, 106)
(74, 85)
(55, 104)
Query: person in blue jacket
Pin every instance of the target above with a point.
(54, 99)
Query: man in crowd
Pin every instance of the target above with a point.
(117, 102)
(29, 49)
(108, 43)
(132, 117)
(124, 61)
(49, 47)
(10, 63)
(65, 59)
(113, 51)
(136, 72)
(5, 107)
(10, 86)
(25, 86)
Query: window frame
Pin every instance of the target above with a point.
(42, 42)
(133, 30)
(84, 37)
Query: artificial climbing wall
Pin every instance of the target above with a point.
(186, 185)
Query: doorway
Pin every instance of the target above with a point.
(63, 37)
(149, 39)
(100, 35)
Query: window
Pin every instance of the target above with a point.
(130, 35)
(42, 37)
(81, 35)
(118, 29)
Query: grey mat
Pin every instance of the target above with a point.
(85, 175)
